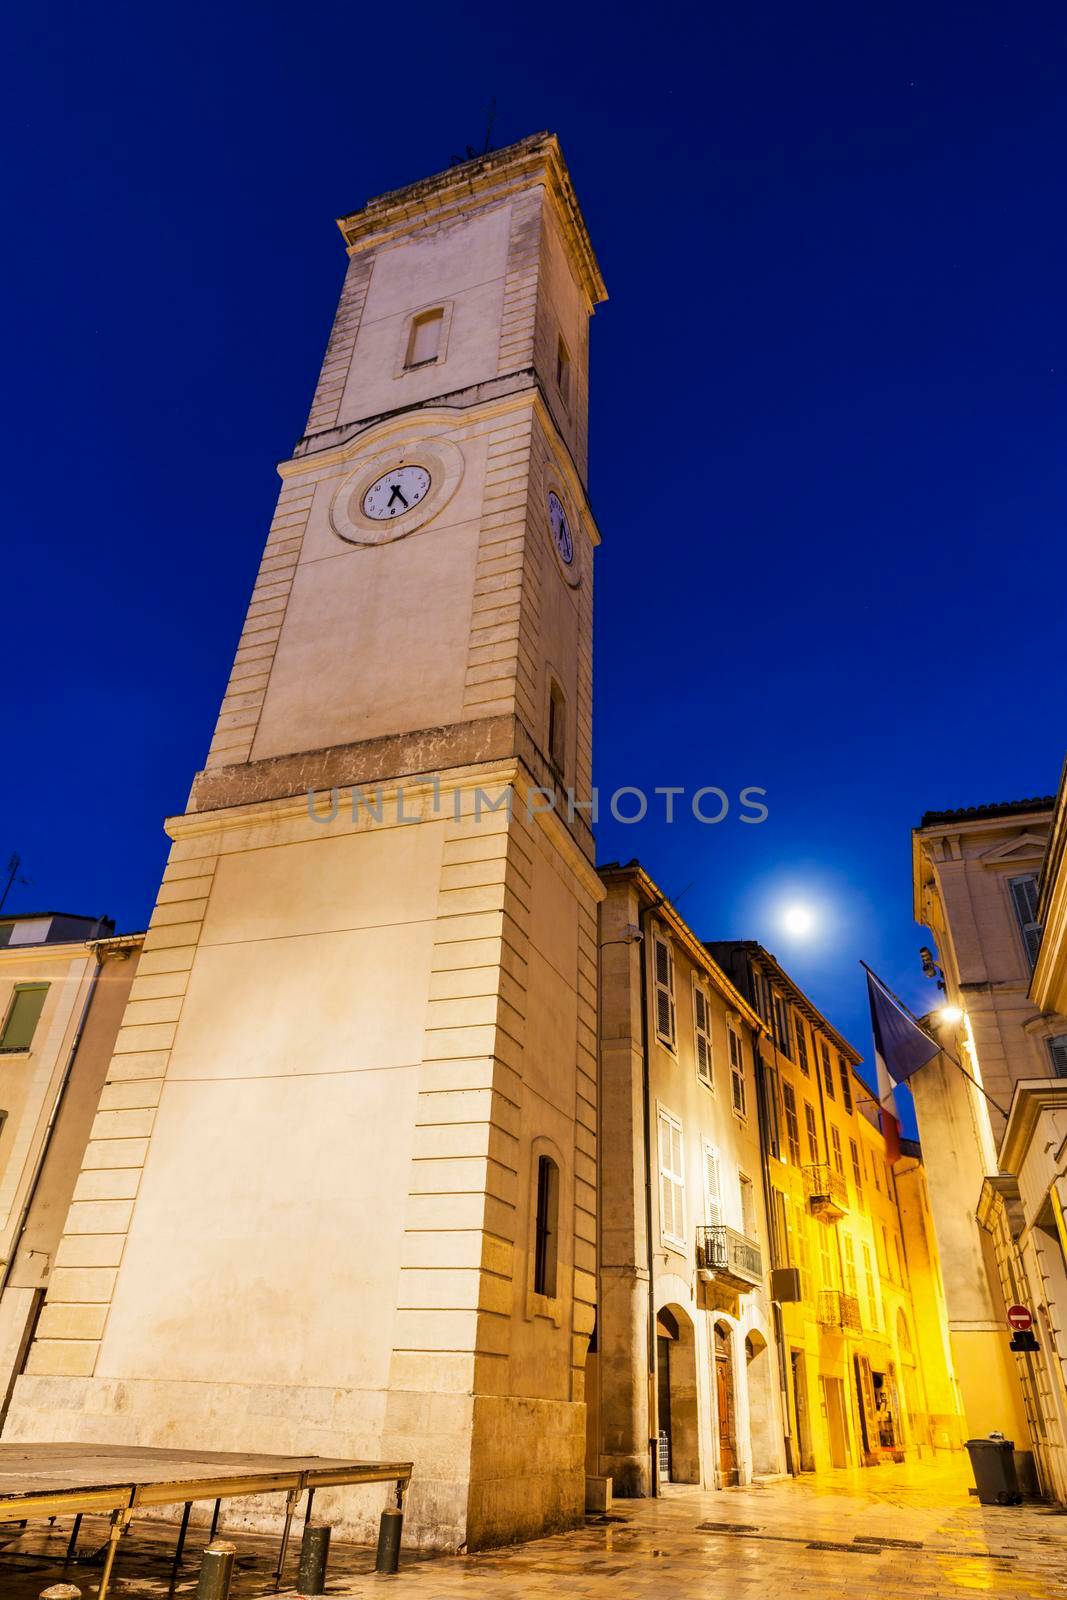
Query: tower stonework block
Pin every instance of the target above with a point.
(340, 1193)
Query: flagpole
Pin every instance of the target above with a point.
(948, 1056)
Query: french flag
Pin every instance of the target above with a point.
(901, 1047)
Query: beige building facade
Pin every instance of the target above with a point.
(683, 1386)
(64, 981)
(977, 875)
(342, 1195)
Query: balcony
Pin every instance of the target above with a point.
(826, 1192)
(839, 1310)
(727, 1257)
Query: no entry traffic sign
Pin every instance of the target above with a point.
(1020, 1319)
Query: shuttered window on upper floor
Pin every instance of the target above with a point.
(663, 978)
(23, 1015)
(1024, 899)
(702, 1033)
(671, 1179)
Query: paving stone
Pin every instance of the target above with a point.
(921, 1535)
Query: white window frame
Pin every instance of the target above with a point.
(736, 1051)
(666, 988)
(702, 1032)
(671, 1176)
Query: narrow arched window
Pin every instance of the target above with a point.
(424, 340)
(546, 1231)
(557, 726)
(563, 371)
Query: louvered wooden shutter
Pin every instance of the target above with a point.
(702, 1033)
(671, 1179)
(712, 1185)
(664, 990)
(1024, 894)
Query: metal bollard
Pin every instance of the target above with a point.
(314, 1552)
(216, 1571)
(61, 1591)
(389, 1531)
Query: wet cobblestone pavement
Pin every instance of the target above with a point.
(910, 1533)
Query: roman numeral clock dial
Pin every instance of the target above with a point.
(561, 532)
(395, 492)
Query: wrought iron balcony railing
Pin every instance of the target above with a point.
(826, 1191)
(727, 1257)
(839, 1310)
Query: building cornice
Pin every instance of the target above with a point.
(655, 900)
(422, 798)
(13, 954)
(1030, 1098)
(471, 186)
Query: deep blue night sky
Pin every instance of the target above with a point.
(827, 427)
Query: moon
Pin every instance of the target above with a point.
(798, 921)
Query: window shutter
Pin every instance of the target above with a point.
(802, 1047)
(1024, 894)
(702, 1033)
(712, 1185)
(671, 1178)
(1057, 1049)
(664, 990)
(23, 1015)
(846, 1083)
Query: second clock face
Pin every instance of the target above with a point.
(396, 492)
(561, 533)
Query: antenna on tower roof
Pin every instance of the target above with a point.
(471, 153)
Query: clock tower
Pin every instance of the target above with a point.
(340, 1191)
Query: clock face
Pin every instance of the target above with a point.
(396, 492)
(561, 533)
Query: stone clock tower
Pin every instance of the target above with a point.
(340, 1190)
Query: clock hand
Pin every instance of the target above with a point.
(397, 495)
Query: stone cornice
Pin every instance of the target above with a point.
(362, 437)
(1031, 1097)
(421, 793)
(655, 900)
(486, 180)
(12, 954)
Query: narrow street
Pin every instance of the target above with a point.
(896, 1532)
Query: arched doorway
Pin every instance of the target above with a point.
(726, 1403)
(676, 1373)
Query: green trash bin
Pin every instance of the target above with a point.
(993, 1465)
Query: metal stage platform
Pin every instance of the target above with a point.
(62, 1480)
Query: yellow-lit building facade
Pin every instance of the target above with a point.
(857, 1281)
(988, 886)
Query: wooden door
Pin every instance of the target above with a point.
(724, 1396)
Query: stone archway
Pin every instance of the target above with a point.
(679, 1431)
(762, 1425)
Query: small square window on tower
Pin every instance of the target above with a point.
(563, 371)
(425, 343)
